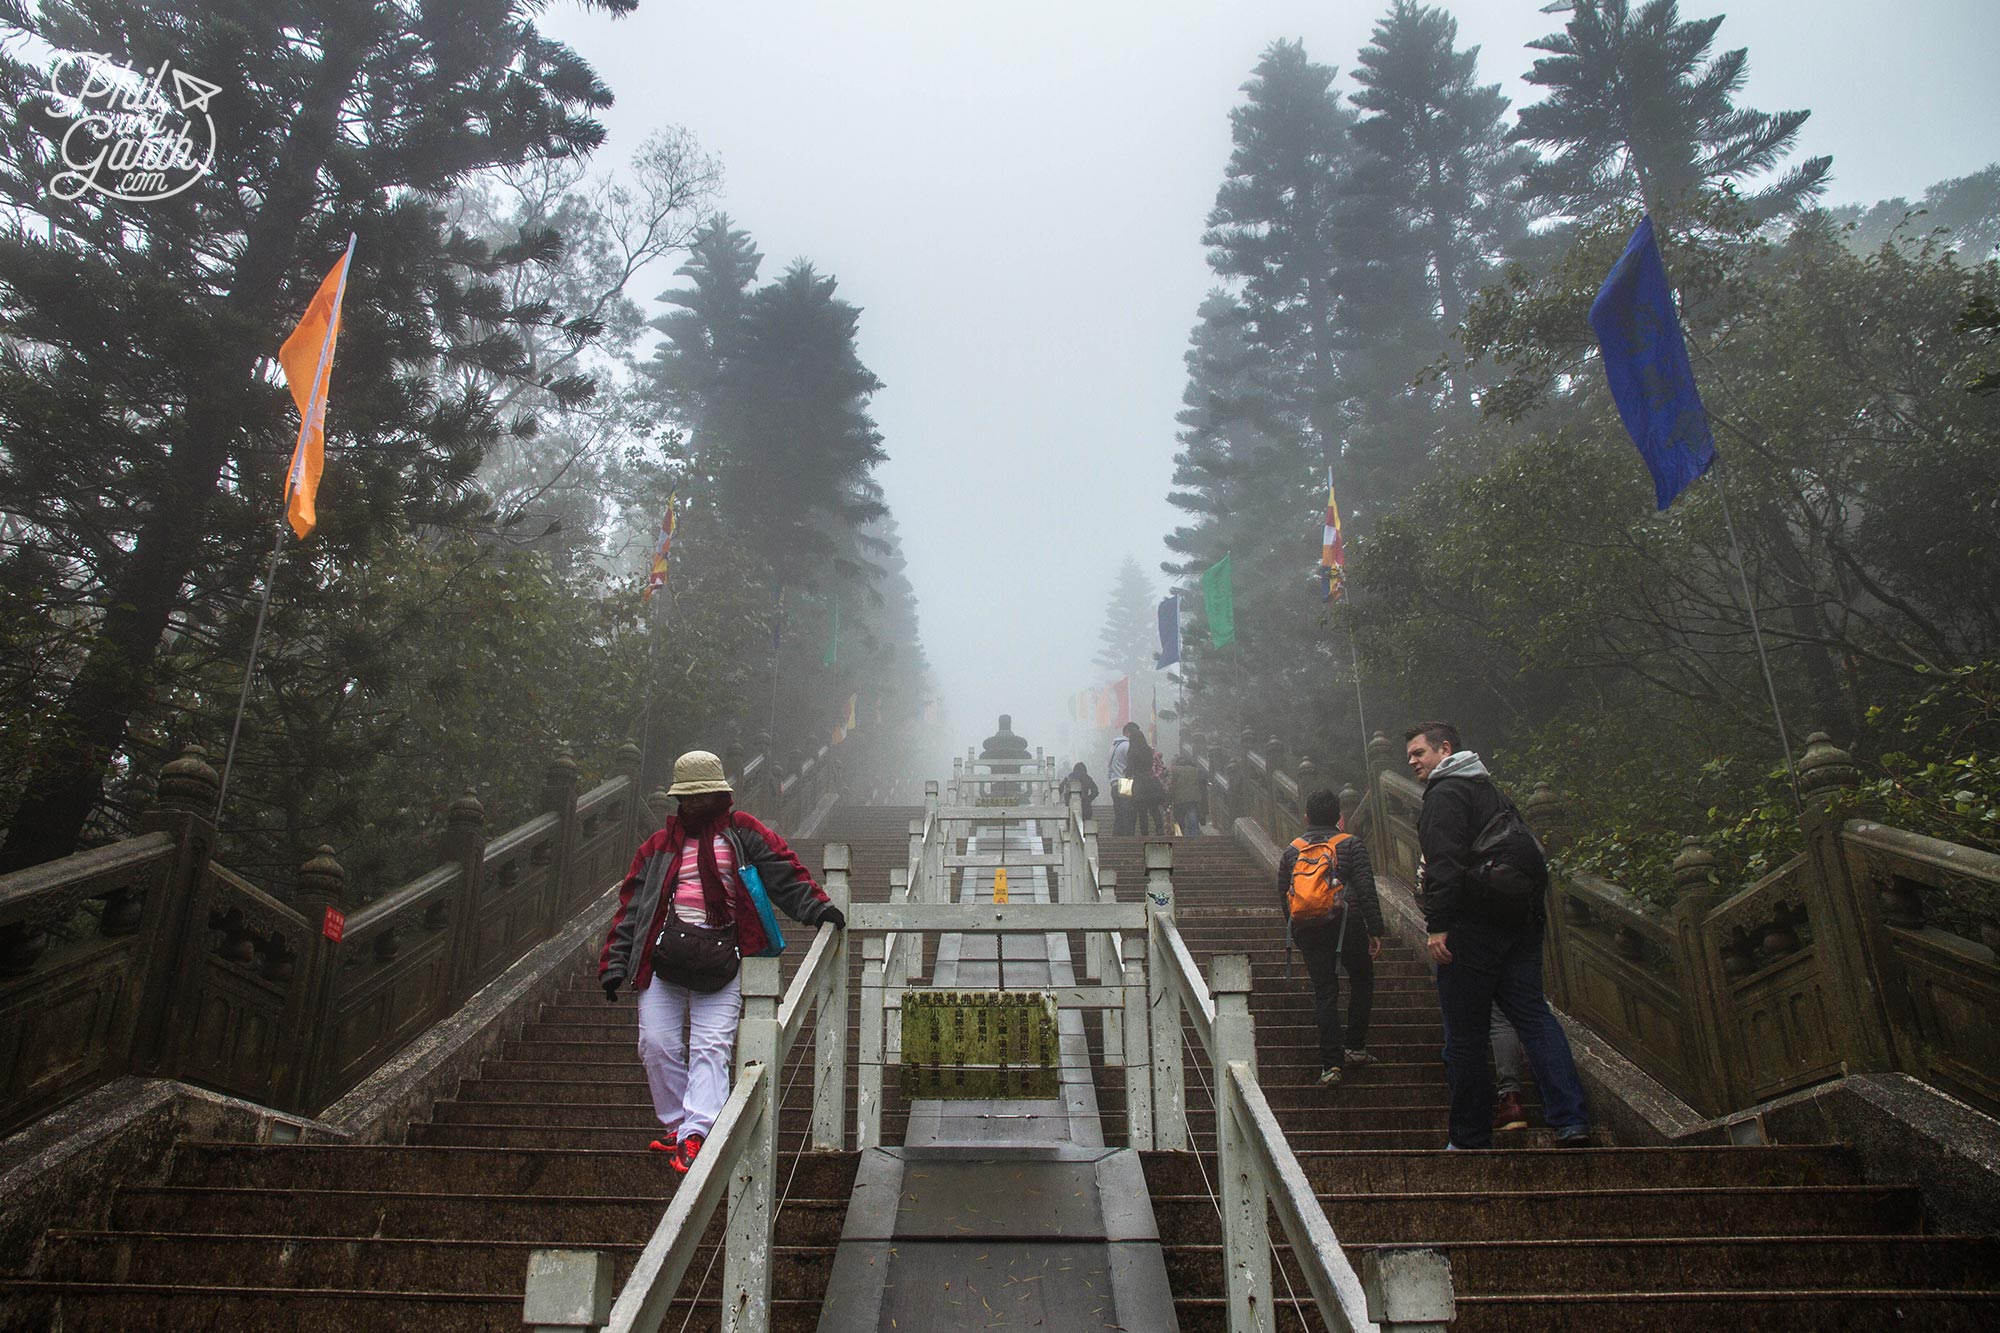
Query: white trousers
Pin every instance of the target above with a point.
(685, 1041)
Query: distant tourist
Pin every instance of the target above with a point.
(1328, 891)
(1184, 793)
(1483, 886)
(685, 921)
(1079, 782)
(1147, 792)
(1122, 779)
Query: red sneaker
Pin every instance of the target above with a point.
(670, 1145)
(690, 1149)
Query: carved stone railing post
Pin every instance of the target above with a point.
(1704, 986)
(464, 844)
(1382, 758)
(627, 766)
(173, 930)
(321, 897)
(1274, 802)
(1846, 915)
(559, 796)
(1549, 818)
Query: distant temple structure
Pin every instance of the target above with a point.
(1004, 752)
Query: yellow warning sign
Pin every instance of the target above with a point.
(1000, 885)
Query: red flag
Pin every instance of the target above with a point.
(1121, 696)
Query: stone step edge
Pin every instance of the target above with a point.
(1807, 1192)
(1727, 1294)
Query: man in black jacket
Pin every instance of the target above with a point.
(1352, 935)
(1483, 958)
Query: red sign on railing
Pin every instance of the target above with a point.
(335, 924)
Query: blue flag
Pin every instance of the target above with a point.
(1646, 361)
(1170, 632)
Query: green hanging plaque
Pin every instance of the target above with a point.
(983, 1043)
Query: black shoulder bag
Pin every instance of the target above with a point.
(701, 958)
(1509, 867)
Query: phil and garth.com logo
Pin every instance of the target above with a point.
(127, 138)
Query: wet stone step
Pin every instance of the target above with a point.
(1755, 1311)
(551, 1219)
(46, 1305)
(1533, 1169)
(1731, 1263)
(1422, 1219)
(471, 1267)
(631, 1171)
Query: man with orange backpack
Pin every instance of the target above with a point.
(1328, 892)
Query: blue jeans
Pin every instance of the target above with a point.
(1501, 966)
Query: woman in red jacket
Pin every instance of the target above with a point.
(687, 875)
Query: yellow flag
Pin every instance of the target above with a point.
(307, 358)
(1000, 885)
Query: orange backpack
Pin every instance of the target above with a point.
(1315, 892)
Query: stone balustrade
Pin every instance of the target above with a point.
(1839, 961)
(147, 957)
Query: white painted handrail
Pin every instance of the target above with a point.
(1335, 1286)
(739, 1156)
(642, 1302)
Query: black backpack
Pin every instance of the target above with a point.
(1508, 870)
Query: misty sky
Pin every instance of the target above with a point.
(1014, 194)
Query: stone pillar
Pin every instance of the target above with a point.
(321, 897)
(464, 844)
(627, 765)
(1870, 1013)
(1274, 806)
(1708, 1033)
(559, 779)
(172, 919)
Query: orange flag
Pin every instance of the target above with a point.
(307, 357)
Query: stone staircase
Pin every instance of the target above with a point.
(545, 1147)
(1538, 1237)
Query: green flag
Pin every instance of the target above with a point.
(833, 635)
(1218, 604)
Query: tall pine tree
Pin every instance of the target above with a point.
(1638, 112)
(144, 440)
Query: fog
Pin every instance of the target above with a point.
(1015, 194)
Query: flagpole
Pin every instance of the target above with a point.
(1757, 635)
(315, 406)
(249, 669)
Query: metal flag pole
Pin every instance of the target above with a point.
(294, 476)
(1757, 635)
(249, 670)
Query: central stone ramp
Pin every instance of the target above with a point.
(1003, 1214)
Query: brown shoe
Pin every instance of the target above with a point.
(1507, 1112)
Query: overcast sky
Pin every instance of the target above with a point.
(1014, 195)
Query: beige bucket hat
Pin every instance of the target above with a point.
(698, 772)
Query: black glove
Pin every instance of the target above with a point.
(611, 985)
(834, 917)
